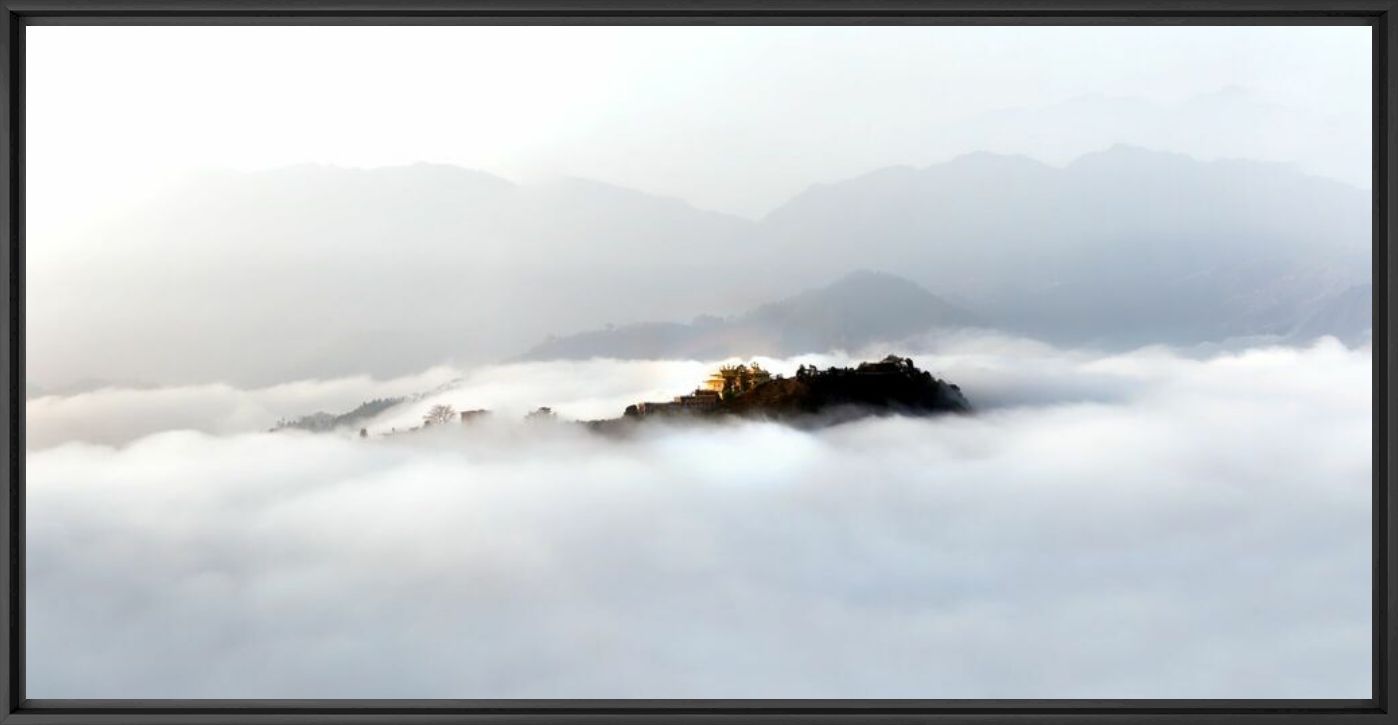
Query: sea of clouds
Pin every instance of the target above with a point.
(1156, 524)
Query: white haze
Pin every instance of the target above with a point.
(367, 200)
(119, 415)
(997, 370)
(1150, 524)
(736, 119)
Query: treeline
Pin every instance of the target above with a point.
(324, 422)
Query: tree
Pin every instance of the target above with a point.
(439, 414)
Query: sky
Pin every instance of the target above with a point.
(688, 112)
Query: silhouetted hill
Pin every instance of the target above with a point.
(1348, 315)
(860, 308)
(892, 385)
(813, 397)
(1121, 247)
(322, 422)
(334, 271)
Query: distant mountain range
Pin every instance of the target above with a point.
(313, 271)
(864, 308)
(861, 308)
(1121, 247)
(1347, 315)
(1231, 122)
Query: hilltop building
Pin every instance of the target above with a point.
(701, 399)
(891, 384)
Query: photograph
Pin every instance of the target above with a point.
(698, 361)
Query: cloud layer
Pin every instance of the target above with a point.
(1141, 525)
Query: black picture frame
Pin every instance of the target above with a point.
(16, 15)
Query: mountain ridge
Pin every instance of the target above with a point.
(413, 271)
(858, 309)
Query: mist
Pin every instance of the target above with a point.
(1146, 524)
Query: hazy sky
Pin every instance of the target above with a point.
(734, 119)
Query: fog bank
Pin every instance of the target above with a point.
(1140, 525)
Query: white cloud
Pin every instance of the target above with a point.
(117, 415)
(1199, 529)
